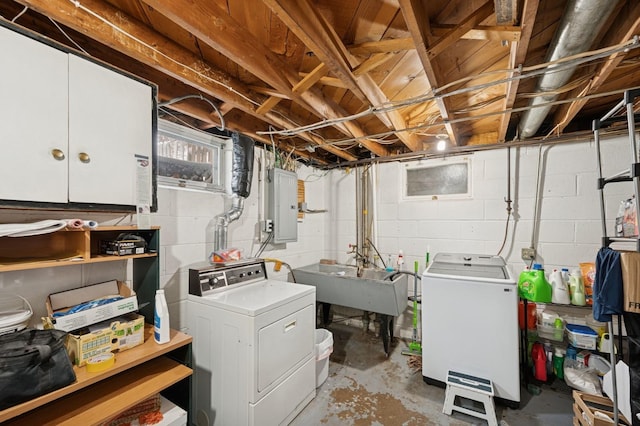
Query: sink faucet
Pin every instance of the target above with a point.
(361, 260)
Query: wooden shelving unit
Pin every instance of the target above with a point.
(138, 373)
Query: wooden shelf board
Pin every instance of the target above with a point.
(124, 361)
(20, 266)
(93, 406)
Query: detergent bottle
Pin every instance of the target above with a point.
(559, 289)
(576, 284)
(532, 285)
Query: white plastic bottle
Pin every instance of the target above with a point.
(161, 319)
(575, 280)
(559, 289)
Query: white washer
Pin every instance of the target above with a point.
(253, 345)
(470, 322)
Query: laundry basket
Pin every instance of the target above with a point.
(15, 313)
(324, 348)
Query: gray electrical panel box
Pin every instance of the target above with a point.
(282, 205)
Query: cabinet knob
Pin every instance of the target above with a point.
(84, 157)
(57, 154)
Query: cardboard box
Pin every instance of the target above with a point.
(630, 262)
(64, 300)
(118, 334)
(123, 247)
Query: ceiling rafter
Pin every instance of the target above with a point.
(139, 48)
(516, 58)
(417, 20)
(567, 112)
(253, 56)
(311, 27)
(456, 33)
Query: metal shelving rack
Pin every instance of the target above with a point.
(632, 174)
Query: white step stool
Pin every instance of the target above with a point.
(471, 387)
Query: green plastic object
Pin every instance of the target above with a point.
(533, 286)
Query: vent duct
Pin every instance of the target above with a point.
(581, 23)
(241, 174)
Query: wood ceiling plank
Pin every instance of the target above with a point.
(310, 79)
(626, 31)
(416, 17)
(463, 27)
(251, 54)
(303, 19)
(152, 49)
(517, 57)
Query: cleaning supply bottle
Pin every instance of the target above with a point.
(400, 260)
(575, 282)
(559, 289)
(539, 362)
(532, 285)
(558, 363)
(161, 319)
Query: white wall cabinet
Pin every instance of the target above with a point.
(71, 131)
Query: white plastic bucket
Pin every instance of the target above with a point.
(324, 348)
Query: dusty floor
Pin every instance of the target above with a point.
(366, 388)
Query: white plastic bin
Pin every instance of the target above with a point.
(324, 348)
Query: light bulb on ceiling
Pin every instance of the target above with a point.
(442, 142)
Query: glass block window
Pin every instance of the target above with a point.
(189, 158)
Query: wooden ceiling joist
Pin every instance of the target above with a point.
(517, 57)
(307, 23)
(414, 12)
(252, 55)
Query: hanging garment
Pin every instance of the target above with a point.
(607, 286)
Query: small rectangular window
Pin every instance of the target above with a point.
(439, 180)
(189, 158)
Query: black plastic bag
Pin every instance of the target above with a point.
(32, 363)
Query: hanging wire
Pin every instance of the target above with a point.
(202, 98)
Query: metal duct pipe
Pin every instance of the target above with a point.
(223, 220)
(581, 23)
(241, 173)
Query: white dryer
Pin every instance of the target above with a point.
(253, 345)
(470, 322)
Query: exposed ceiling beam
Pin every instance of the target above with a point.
(453, 35)
(566, 112)
(479, 32)
(309, 25)
(172, 59)
(517, 57)
(252, 55)
(417, 20)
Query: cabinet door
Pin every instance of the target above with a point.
(33, 120)
(110, 125)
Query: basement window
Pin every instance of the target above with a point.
(439, 180)
(189, 158)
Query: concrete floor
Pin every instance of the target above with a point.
(366, 388)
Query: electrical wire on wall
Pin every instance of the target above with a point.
(508, 201)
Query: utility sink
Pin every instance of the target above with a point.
(374, 291)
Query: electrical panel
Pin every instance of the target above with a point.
(282, 205)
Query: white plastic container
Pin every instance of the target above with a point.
(559, 288)
(581, 336)
(324, 348)
(161, 319)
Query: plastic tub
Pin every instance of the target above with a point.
(15, 313)
(324, 348)
(551, 333)
(581, 336)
